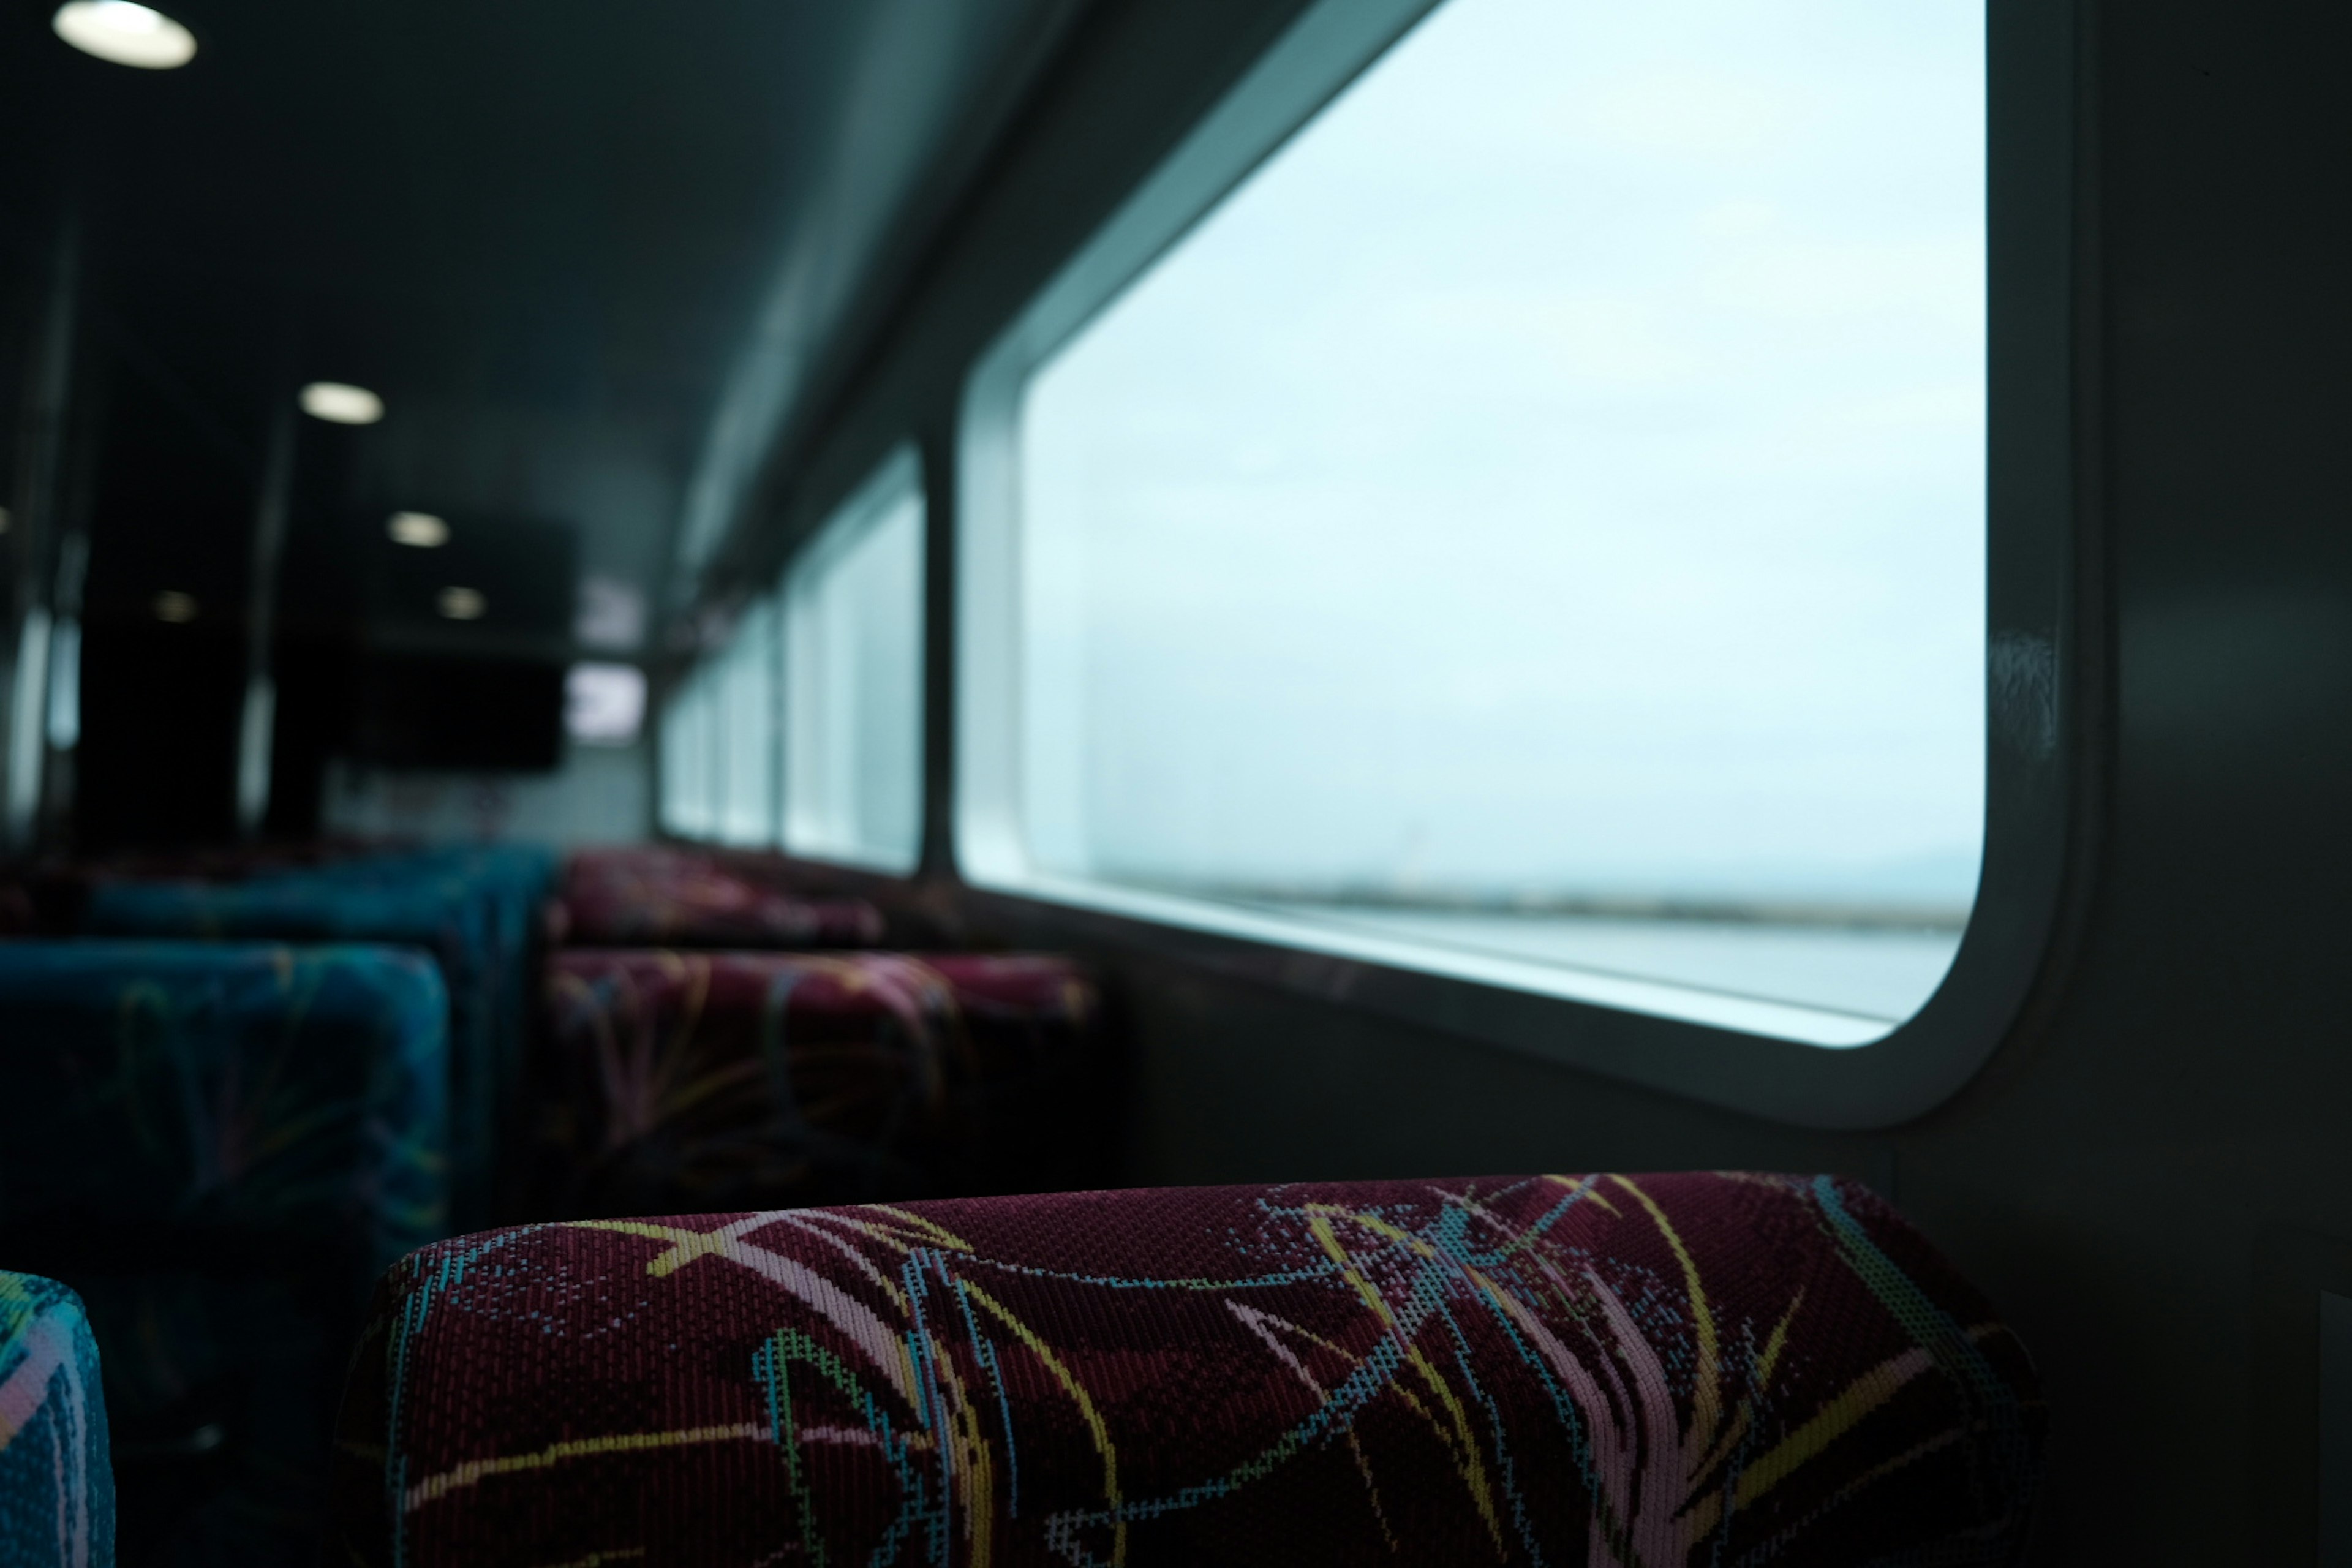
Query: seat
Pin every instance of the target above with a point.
(1674, 1369)
(218, 1145)
(475, 911)
(675, 1080)
(654, 896)
(56, 1484)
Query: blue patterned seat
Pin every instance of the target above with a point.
(508, 887)
(475, 910)
(216, 1144)
(57, 1488)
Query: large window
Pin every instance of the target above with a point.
(853, 678)
(1533, 527)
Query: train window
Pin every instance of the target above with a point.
(1532, 526)
(746, 701)
(689, 754)
(853, 627)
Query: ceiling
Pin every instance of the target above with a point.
(596, 257)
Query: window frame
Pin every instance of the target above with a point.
(2041, 665)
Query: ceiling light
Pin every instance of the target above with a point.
(420, 529)
(462, 603)
(340, 405)
(126, 33)
(175, 607)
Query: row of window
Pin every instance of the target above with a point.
(1531, 526)
(805, 730)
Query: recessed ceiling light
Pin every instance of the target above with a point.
(340, 405)
(175, 607)
(420, 529)
(462, 603)
(126, 33)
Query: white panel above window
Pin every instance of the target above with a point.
(603, 704)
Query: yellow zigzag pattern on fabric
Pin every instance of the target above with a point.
(1706, 1398)
(1468, 1459)
(474, 1471)
(1087, 1411)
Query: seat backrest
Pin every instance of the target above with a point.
(56, 1482)
(648, 895)
(476, 924)
(1666, 1369)
(217, 1144)
(672, 1080)
(224, 1087)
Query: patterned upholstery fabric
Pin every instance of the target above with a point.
(512, 884)
(57, 1488)
(218, 1145)
(475, 911)
(685, 1080)
(1657, 1370)
(656, 897)
(272, 1088)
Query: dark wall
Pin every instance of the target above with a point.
(2146, 1147)
(420, 711)
(170, 508)
(363, 663)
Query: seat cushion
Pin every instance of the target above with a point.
(674, 1081)
(658, 897)
(57, 1486)
(1662, 1370)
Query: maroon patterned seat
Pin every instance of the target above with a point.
(672, 1082)
(1658, 1370)
(651, 896)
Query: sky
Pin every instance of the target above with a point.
(1558, 471)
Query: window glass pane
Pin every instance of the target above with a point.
(689, 775)
(854, 673)
(1541, 513)
(746, 702)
